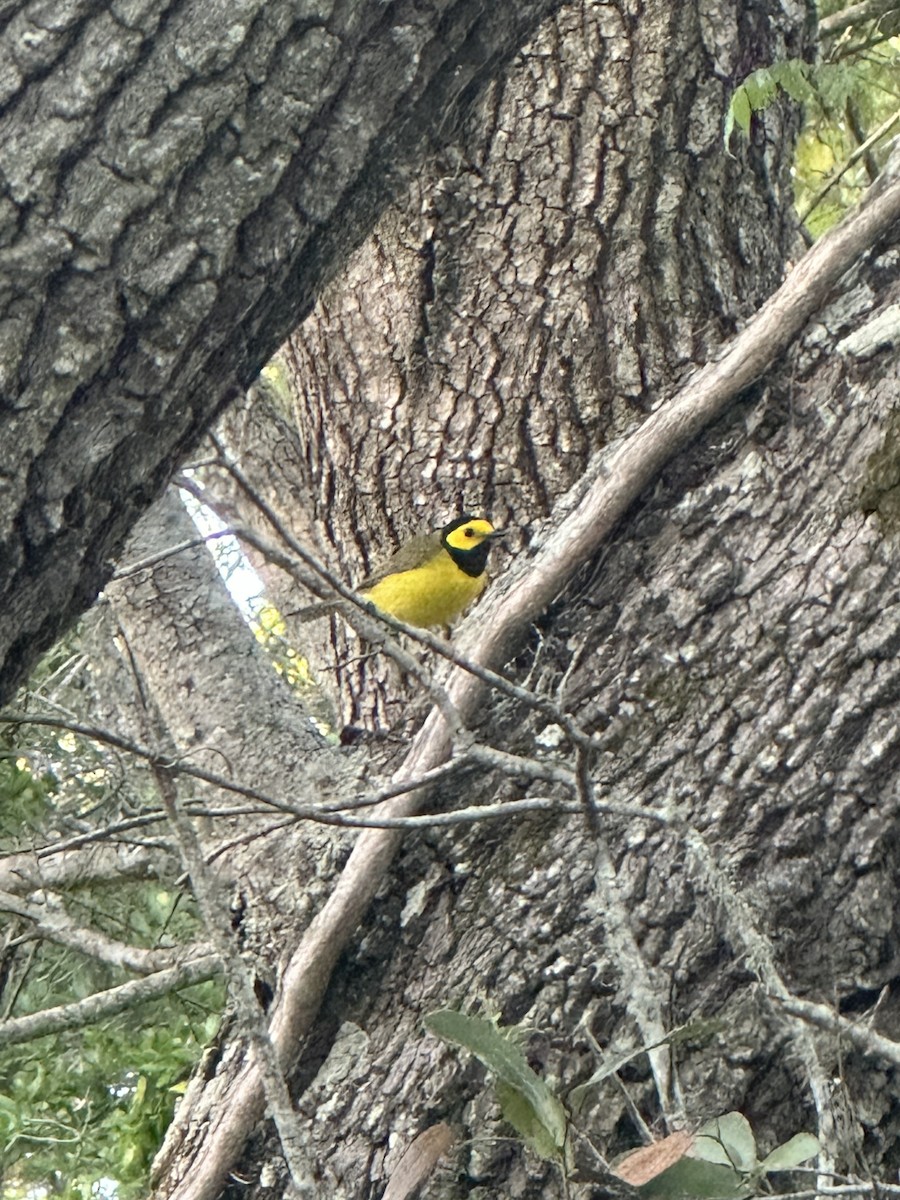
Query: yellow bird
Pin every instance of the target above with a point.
(433, 578)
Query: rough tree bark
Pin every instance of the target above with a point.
(178, 182)
(540, 287)
(733, 651)
(735, 654)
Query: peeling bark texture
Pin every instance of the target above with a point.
(537, 289)
(178, 181)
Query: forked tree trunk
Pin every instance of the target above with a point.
(733, 650)
(178, 185)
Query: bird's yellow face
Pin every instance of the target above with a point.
(469, 535)
(442, 579)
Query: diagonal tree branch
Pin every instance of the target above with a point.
(855, 14)
(56, 925)
(107, 1004)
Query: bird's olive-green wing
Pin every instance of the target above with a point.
(411, 554)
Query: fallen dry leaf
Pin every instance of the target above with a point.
(648, 1162)
(418, 1161)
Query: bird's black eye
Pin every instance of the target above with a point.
(470, 532)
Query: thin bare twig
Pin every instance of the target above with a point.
(852, 159)
(22, 871)
(741, 929)
(311, 573)
(640, 983)
(844, 1189)
(143, 564)
(342, 813)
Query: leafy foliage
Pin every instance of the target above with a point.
(72, 1113)
(93, 1103)
(270, 631)
(723, 1161)
(851, 102)
(89, 1105)
(24, 797)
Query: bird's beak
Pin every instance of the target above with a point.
(496, 533)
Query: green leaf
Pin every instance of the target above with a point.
(10, 1116)
(493, 1047)
(523, 1118)
(140, 1094)
(790, 1154)
(793, 75)
(835, 82)
(692, 1179)
(760, 89)
(762, 86)
(700, 1030)
(739, 112)
(727, 1140)
(577, 1095)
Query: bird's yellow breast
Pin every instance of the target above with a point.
(435, 593)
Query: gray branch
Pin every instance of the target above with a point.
(51, 921)
(107, 1004)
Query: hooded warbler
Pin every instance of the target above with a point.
(433, 578)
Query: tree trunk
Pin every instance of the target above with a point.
(177, 188)
(193, 682)
(734, 651)
(540, 287)
(719, 686)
